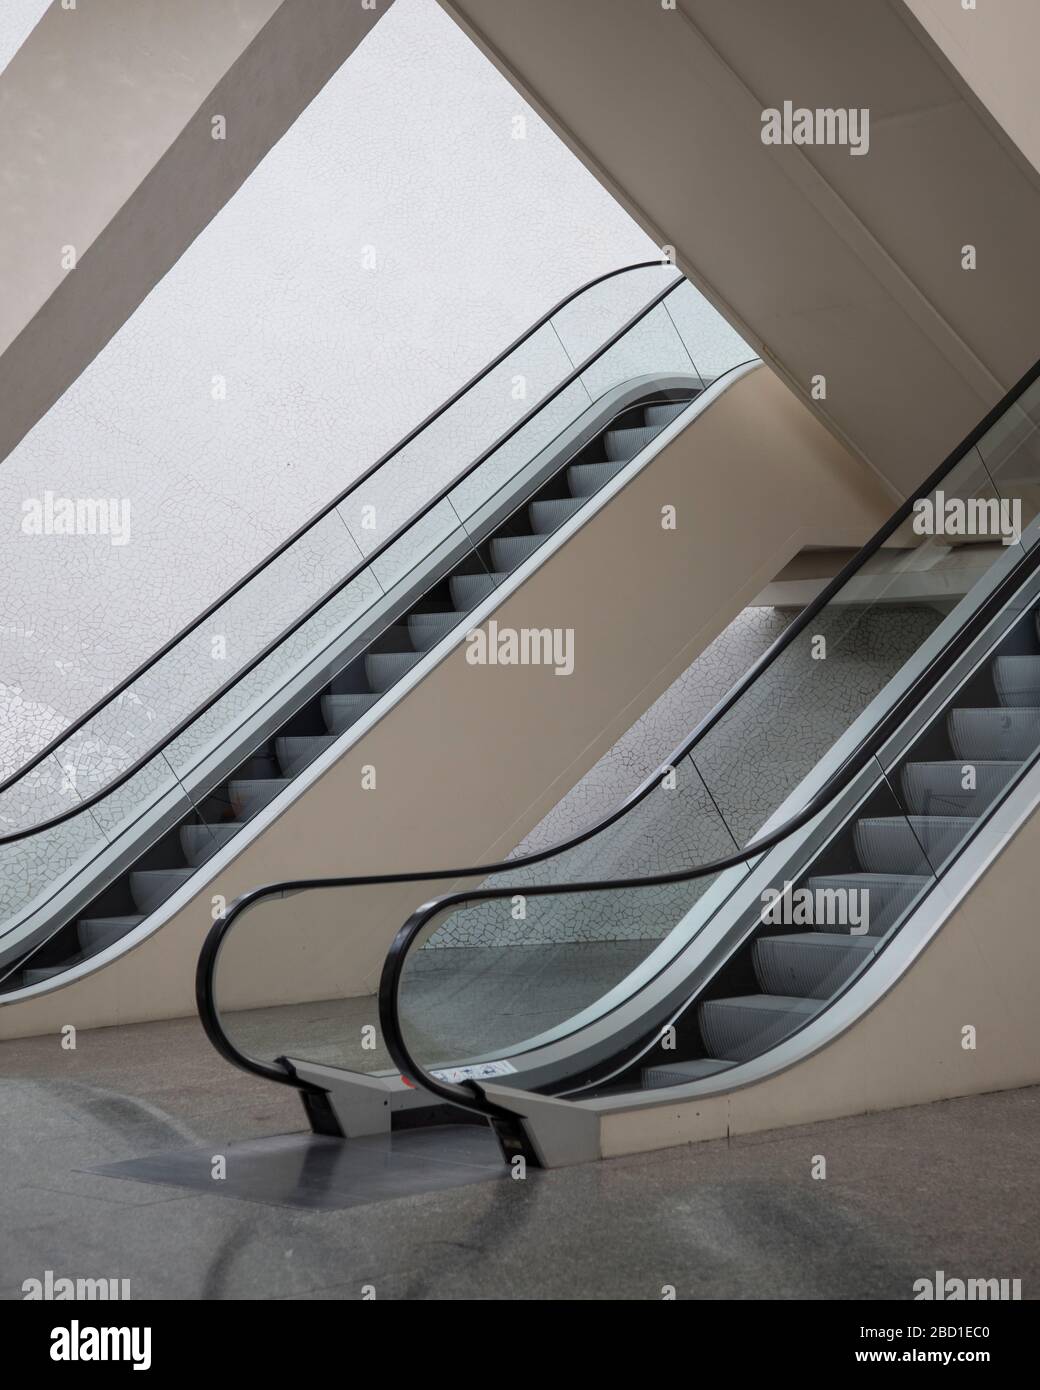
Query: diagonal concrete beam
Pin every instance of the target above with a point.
(107, 125)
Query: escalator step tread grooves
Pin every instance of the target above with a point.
(546, 516)
(888, 896)
(1017, 680)
(467, 590)
(585, 479)
(200, 842)
(250, 795)
(384, 669)
(677, 1073)
(908, 845)
(295, 751)
(507, 552)
(657, 416)
(340, 711)
(811, 965)
(1007, 732)
(151, 887)
(427, 629)
(623, 445)
(936, 788)
(95, 933)
(742, 1027)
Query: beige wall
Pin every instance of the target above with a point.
(105, 145)
(473, 756)
(994, 48)
(828, 263)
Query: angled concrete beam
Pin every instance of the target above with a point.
(832, 264)
(108, 158)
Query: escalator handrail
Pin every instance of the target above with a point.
(123, 685)
(114, 783)
(470, 1096)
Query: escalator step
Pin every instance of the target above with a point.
(340, 711)
(384, 669)
(548, 515)
(467, 590)
(37, 974)
(199, 842)
(677, 1073)
(427, 629)
(95, 933)
(657, 416)
(622, 445)
(1003, 733)
(295, 751)
(935, 789)
(509, 551)
(810, 965)
(250, 796)
(149, 888)
(586, 479)
(751, 1024)
(908, 845)
(888, 896)
(1017, 680)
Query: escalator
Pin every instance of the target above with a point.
(117, 819)
(747, 908)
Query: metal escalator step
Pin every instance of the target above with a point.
(936, 788)
(509, 551)
(810, 965)
(295, 751)
(887, 896)
(97, 933)
(150, 888)
(340, 711)
(546, 516)
(678, 1073)
(908, 845)
(1017, 680)
(657, 416)
(586, 479)
(200, 842)
(622, 445)
(1004, 733)
(384, 669)
(748, 1025)
(427, 629)
(467, 590)
(248, 797)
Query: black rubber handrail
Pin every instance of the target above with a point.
(470, 1096)
(247, 578)
(367, 561)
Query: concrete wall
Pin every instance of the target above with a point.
(474, 756)
(993, 47)
(830, 264)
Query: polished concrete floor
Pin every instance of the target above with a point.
(950, 1186)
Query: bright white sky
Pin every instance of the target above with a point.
(18, 18)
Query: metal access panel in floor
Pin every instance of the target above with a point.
(318, 1173)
